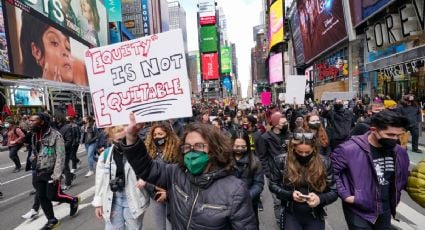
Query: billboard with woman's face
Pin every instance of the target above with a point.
(4, 54)
(41, 50)
(85, 18)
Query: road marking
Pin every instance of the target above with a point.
(61, 211)
(402, 225)
(411, 214)
(7, 182)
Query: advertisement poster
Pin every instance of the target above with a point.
(226, 59)
(210, 66)
(40, 50)
(206, 12)
(275, 68)
(362, 10)
(266, 98)
(295, 85)
(146, 76)
(208, 39)
(85, 18)
(276, 32)
(27, 96)
(4, 54)
(321, 24)
(297, 39)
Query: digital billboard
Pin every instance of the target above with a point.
(40, 50)
(276, 23)
(297, 39)
(206, 12)
(226, 59)
(208, 39)
(210, 66)
(23, 95)
(275, 68)
(4, 53)
(322, 25)
(85, 18)
(362, 10)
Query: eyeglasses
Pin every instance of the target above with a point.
(306, 136)
(197, 147)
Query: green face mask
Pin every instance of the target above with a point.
(196, 161)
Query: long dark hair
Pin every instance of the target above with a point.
(244, 136)
(31, 32)
(220, 148)
(314, 173)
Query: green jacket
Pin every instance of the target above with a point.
(416, 183)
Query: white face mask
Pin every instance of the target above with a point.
(6, 125)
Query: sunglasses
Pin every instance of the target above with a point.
(305, 136)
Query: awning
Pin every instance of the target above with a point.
(330, 96)
(41, 83)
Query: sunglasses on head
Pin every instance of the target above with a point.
(301, 136)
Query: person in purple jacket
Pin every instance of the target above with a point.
(370, 171)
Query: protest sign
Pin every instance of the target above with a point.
(295, 89)
(146, 76)
(266, 98)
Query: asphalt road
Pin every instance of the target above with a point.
(17, 201)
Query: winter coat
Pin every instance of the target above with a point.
(284, 191)
(215, 200)
(138, 200)
(416, 183)
(340, 122)
(270, 149)
(252, 175)
(355, 176)
(412, 113)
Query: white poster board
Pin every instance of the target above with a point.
(146, 76)
(295, 88)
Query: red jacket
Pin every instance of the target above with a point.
(15, 134)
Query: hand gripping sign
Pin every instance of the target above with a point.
(146, 76)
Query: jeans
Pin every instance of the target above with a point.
(121, 217)
(36, 204)
(13, 155)
(355, 222)
(91, 151)
(296, 221)
(74, 157)
(414, 131)
(160, 214)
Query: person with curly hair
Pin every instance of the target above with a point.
(162, 145)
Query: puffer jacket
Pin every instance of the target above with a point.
(138, 200)
(284, 191)
(216, 200)
(355, 175)
(51, 154)
(416, 184)
(252, 175)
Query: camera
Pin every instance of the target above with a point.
(117, 184)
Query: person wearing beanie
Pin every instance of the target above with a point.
(15, 141)
(270, 148)
(390, 104)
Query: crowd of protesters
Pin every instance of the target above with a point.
(208, 171)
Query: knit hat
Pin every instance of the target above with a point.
(9, 120)
(274, 119)
(389, 103)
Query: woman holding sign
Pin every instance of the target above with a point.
(202, 193)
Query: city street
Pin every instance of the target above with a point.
(17, 201)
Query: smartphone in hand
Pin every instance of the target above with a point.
(305, 196)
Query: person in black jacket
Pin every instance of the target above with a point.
(68, 138)
(304, 183)
(76, 132)
(411, 110)
(248, 169)
(202, 191)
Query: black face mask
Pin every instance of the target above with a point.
(303, 160)
(387, 143)
(338, 106)
(159, 141)
(284, 129)
(314, 125)
(220, 114)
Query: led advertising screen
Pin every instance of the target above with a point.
(86, 18)
(226, 59)
(276, 23)
(210, 66)
(208, 39)
(27, 96)
(206, 12)
(322, 25)
(40, 50)
(275, 68)
(297, 39)
(4, 54)
(362, 10)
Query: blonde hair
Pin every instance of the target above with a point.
(111, 131)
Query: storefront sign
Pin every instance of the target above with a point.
(146, 76)
(145, 18)
(325, 71)
(398, 71)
